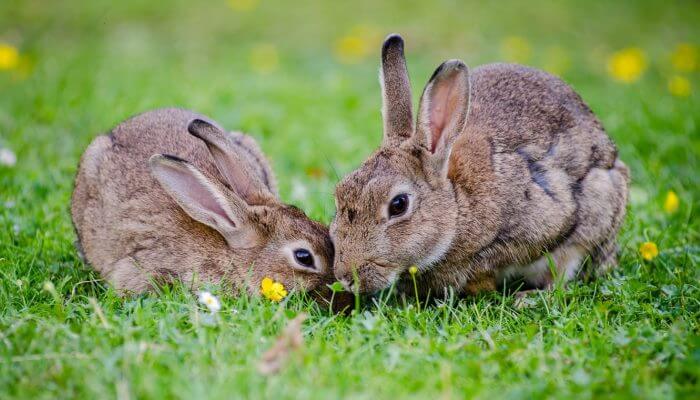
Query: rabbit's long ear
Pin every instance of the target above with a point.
(443, 110)
(397, 110)
(202, 199)
(232, 166)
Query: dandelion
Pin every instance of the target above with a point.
(350, 49)
(516, 49)
(627, 65)
(274, 291)
(7, 157)
(672, 202)
(685, 57)
(679, 86)
(210, 301)
(357, 44)
(9, 56)
(264, 58)
(648, 251)
(243, 5)
(413, 270)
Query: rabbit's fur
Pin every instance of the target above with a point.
(505, 168)
(205, 211)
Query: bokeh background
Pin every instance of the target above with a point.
(301, 77)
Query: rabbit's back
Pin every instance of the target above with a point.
(530, 170)
(165, 131)
(553, 171)
(528, 111)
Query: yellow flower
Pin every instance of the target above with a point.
(357, 44)
(648, 250)
(413, 270)
(243, 5)
(679, 86)
(9, 57)
(274, 291)
(516, 49)
(627, 65)
(685, 57)
(672, 202)
(264, 58)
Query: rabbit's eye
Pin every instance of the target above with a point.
(398, 205)
(304, 258)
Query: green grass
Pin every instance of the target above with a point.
(91, 64)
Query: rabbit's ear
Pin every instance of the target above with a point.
(236, 171)
(201, 198)
(396, 93)
(443, 109)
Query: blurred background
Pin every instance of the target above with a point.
(301, 77)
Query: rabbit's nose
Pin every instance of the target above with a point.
(344, 275)
(347, 284)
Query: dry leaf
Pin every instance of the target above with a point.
(289, 341)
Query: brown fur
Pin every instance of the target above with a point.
(530, 172)
(134, 233)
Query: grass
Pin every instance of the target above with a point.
(88, 65)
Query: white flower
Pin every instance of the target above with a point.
(49, 287)
(7, 157)
(210, 301)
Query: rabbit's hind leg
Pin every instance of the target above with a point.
(559, 266)
(602, 200)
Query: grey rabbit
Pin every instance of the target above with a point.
(505, 165)
(169, 195)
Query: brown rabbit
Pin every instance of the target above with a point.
(505, 164)
(143, 214)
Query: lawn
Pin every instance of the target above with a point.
(302, 79)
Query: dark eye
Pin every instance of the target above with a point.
(398, 205)
(304, 258)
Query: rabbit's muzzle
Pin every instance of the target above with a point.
(367, 276)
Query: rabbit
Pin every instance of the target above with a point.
(505, 170)
(144, 214)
